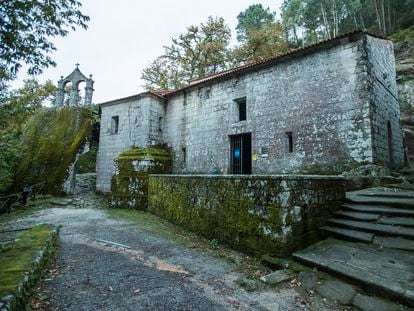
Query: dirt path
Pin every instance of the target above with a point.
(111, 264)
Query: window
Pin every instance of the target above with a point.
(159, 124)
(114, 124)
(184, 151)
(241, 103)
(289, 142)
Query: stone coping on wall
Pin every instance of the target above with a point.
(228, 176)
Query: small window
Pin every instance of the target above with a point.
(184, 151)
(289, 142)
(114, 124)
(160, 124)
(241, 103)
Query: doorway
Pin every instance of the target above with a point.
(241, 154)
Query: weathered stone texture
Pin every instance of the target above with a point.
(138, 127)
(316, 97)
(262, 214)
(129, 185)
(384, 102)
(336, 101)
(75, 78)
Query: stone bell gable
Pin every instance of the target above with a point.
(73, 99)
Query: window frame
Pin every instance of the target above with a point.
(114, 129)
(241, 108)
(289, 142)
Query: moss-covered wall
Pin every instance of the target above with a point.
(260, 214)
(129, 186)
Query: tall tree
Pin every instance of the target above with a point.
(324, 19)
(267, 42)
(163, 73)
(200, 51)
(259, 35)
(16, 108)
(253, 19)
(26, 27)
(293, 20)
(21, 104)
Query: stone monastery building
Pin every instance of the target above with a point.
(329, 104)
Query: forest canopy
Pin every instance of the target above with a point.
(205, 49)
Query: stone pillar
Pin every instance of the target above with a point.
(60, 93)
(73, 101)
(89, 91)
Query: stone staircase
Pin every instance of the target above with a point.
(370, 242)
(384, 218)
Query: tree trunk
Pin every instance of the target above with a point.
(325, 21)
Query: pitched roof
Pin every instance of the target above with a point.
(158, 95)
(274, 60)
(296, 53)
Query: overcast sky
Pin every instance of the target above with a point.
(125, 35)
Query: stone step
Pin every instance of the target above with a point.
(379, 229)
(376, 200)
(357, 215)
(381, 210)
(395, 243)
(348, 235)
(386, 194)
(382, 271)
(397, 221)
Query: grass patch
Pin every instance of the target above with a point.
(164, 229)
(19, 256)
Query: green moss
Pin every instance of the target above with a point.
(243, 213)
(217, 212)
(20, 255)
(86, 162)
(403, 35)
(129, 187)
(50, 142)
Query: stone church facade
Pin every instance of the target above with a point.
(326, 105)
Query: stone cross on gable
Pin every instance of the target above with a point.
(74, 78)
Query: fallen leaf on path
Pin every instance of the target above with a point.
(136, 291)
(110, 288)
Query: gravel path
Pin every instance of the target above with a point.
(110, 264)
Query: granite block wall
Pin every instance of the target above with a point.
(259, 214)
(316, 97)
(336, 103)
(387, 134)
(139, 126)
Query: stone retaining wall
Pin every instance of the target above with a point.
(259, 214)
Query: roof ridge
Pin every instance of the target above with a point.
(272, 58)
